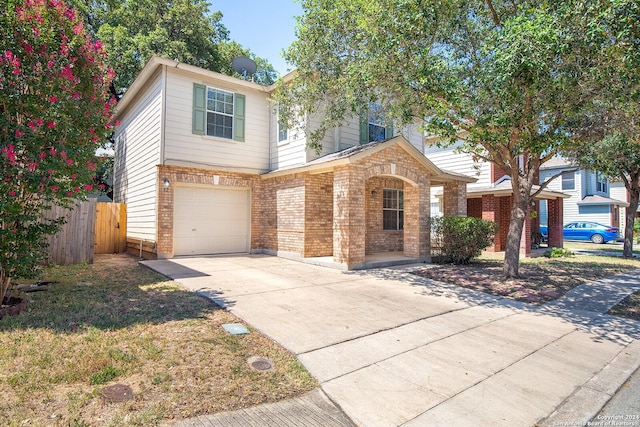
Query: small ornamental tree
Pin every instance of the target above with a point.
(55, 110)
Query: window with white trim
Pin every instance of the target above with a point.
(219, 113)
(283, 132)
(569, 181)
(602, 184)
(376, 123)
(393, 209)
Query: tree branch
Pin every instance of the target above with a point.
(494, 14)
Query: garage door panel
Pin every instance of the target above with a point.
(210, 220)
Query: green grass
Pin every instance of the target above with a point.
(118, 322)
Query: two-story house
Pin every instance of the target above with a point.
(205, 168)
(590, 193)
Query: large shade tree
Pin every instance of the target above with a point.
(55, 109)
(185, 30)
(497, 77)
(609, 130)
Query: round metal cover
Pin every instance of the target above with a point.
(117, 393)
(261, 364)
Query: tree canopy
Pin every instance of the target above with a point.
(501, 77)
(185, 30)
(608, 131)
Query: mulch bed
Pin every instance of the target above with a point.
(537, 285)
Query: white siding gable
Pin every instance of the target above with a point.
(137, 146)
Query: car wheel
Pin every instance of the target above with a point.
(597, 239)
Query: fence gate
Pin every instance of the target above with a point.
(111, 228)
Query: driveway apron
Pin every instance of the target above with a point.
(391, 348)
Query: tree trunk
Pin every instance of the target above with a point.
(629, 220)
(5, 280)
(514, 236)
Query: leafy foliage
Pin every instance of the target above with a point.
(462, 238)
(559, 253)
(185, 30)
(501, 79)
(55, 109)
(609, 129)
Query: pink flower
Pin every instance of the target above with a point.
(19, 133)
(63, 154)
(76, 189)
(54, 188)
(12, 193)
(51, 125)
(88, 187)
(42, 155)
(69, 162)
(52, 98)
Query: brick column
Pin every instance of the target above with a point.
(454, 199)
(491, 212)
(417, 211)
(348, 217)
(555, 222)
(164, 242)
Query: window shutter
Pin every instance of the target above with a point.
(364, 128)
(199, 109)
(388, 131)
(239, 117)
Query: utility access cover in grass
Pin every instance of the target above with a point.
(235, 328)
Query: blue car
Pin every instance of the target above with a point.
(596, 232)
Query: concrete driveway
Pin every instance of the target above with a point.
(391, 348)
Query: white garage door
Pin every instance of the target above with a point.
(210, 220)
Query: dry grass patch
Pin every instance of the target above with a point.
(541, 279)
(117, 322)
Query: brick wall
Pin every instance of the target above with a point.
(474, 207)
(280, 214)
(318, 218)
(377, 239)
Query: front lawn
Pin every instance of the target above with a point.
(115, 322)
(542, 279)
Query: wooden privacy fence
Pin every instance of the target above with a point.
(91, 228)
(111, 228)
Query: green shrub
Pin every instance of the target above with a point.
(461, 238)
(559, 253)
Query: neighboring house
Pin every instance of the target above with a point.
(591, 194)
(619, 192)
(205, 167)
(490, 198)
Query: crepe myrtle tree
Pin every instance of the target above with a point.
(55, 110)
(498, 78)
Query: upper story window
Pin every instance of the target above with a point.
(569, 181)
(218, 113)
(373, 126)
(376, 123)
(602, 184)
(393, 209)
(283, 132)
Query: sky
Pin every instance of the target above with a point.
(266, 27)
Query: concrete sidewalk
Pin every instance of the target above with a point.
(391, 348)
